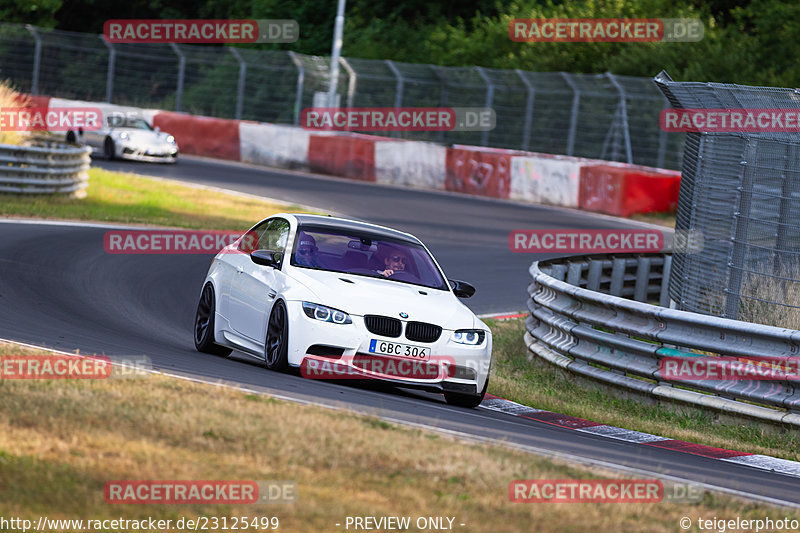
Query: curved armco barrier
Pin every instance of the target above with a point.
(349, 156)
(614, 188)
(614, 337)
(482, 172)
(211, 137)
(623, 190)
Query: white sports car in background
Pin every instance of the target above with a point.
(337, 298)
(127, 137)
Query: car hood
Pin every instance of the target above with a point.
(362, 295)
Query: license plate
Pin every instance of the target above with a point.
(399, 350)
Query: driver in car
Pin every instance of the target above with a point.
(306, 254)
(395, 261)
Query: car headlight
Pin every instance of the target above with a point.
(473, 337)
(326, 314)
(170, 139)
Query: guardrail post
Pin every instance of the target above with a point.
(112, 55)
(573, 121)
(489, 99)
(623, 106)
(181, 74)
(37, 58)
(301, 76)
(398, 93)
(240, 84)
(526, 129)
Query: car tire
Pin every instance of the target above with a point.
(109, 149)
(466, 400)
(276, 344)
(204, 324)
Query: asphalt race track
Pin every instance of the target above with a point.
(60, 289)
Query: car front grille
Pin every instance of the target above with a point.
(383, 325)
(422, 332)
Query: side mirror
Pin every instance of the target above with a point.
(268, 258)
(462, 289)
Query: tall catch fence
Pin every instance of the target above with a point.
(599, 116)
(742, 192)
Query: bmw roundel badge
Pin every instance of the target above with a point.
(403, 315)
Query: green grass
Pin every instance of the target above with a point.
(62, 440)
(132, 199)
(545, 387)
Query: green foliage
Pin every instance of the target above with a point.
(746, 41)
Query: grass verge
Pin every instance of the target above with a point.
(62, 440)
(544, 387)
(133, 199)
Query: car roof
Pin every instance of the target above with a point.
(353, 225)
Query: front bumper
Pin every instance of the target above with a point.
(151, 155)
(345, 348)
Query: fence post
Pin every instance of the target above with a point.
(181, 73)
(489, 99)
(623, 105)
(573, 121)
(662, 139)
(351, 81)
(37, 58)
(112, 55)
(442, 97)
(301, 76)
(240, 85)
(741, 229)
(398, 94)
(526, 130)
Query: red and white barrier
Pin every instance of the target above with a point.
(349, 155)
(410, 163)
(273, 145)
(622, 190)
(546, 179)
(613, 188)
(478, 171)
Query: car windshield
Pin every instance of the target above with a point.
(351, 252)
(129, 122)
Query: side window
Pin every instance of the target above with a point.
(275, 237)
(252, 237)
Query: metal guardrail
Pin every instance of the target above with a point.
(590, 316)
(51, 168)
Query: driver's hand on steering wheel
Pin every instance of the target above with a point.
(388, 272)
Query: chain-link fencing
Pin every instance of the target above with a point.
(588, 115)
(741, 190)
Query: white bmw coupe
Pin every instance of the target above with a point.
(341, 299)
